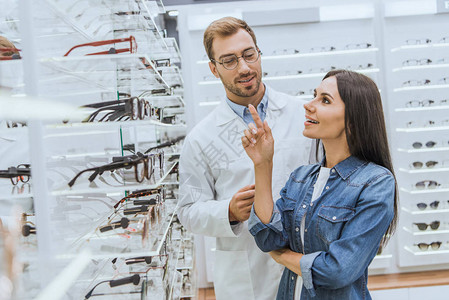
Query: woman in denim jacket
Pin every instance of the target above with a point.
(332, 217)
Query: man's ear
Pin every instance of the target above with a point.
(213, 69)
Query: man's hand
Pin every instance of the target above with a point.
(241, 202)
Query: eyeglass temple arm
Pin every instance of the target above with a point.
(106, 103)
(72, 182)
(101, 43)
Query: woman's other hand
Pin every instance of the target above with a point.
(258, 141)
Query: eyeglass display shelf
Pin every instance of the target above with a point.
(425, 211)
(298, 76)
(424, 150)
(425, 170)
(311, 54)
(421, 67)
(421, 87)
(427, 252)
(81, 188)
(175, 273)
(83, 28)
(426, 108)
(425, 46)
(102, 126)
(132, 61)
(7, 196)
(423, 129)
(426, 232)
(425, 191)
(64, 280)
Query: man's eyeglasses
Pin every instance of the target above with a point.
(423, 226)
(132, 46)
(20, 173)
(230, 62)
(425, 246)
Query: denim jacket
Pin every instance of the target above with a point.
(343, 228)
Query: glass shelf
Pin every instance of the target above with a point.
(83, 186)
(311, 54)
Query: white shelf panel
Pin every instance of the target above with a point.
(426, 252)
(425, 211)
(421, 67)
(422, 87)
(425, 191)
(423, 129)
(426, 232)
(424, 170)
(424, 150)
(426, 108)
(426, 46)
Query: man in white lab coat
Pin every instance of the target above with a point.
(217, 178)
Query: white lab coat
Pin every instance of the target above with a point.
(213, 167)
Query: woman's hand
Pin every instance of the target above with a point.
(258, 141)
(288, 258)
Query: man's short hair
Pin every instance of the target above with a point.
(224, 27)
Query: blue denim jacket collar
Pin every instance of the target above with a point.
(344, 168)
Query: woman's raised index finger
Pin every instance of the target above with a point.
(255, 116)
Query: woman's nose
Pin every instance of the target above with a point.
(308, 106)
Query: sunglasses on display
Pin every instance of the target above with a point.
(21, 173)
(423, 226)
(419, 165)
(418, 145)
(427, 184)
(423, 206)
(143, 193)
(230, 62)
(425, 246)
(132, 46)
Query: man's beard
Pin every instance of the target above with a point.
(243, 92)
